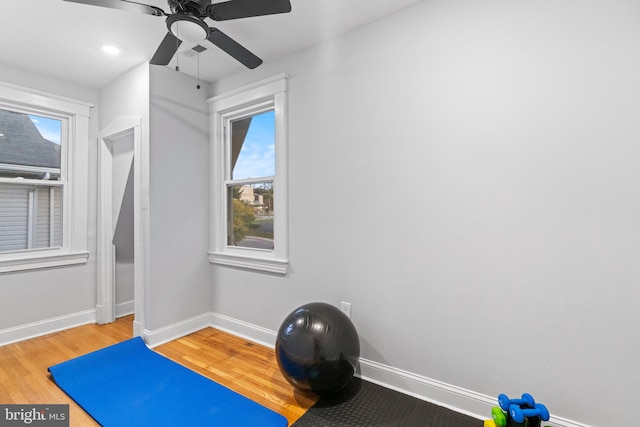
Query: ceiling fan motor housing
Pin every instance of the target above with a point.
(193, 7)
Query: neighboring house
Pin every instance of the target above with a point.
(24, 151)
(248, 196)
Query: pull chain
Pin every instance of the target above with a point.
(177, 46)
(198, 87)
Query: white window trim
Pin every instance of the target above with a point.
(75, 206)
(221, 108)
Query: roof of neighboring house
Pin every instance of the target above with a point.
(22, 144)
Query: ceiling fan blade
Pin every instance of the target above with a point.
(234, 48)
(124, 5)
(235, 9)
(166, 50)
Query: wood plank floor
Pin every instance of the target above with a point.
(238, 364)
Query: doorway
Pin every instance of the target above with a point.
(120, 236)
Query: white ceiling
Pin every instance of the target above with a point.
(64, 39)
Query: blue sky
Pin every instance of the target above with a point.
(257, 156)
(50, 129)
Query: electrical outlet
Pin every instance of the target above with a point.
(346, 308)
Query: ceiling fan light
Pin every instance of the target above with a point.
(188, 31)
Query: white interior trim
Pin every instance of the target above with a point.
(245, 330)
(28, 97)
(256, 263)
(124, 309)
(257, 90)
(42, 259)
(48, 326)
(271, 92)
(74, 159)
(105, 307)
(177, 330)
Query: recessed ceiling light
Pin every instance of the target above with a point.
(111, 50)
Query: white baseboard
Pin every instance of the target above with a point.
(177, 330)
(563, 422)
(458, 399)
(245, 330)
(48, 326)
(124, 309)
(138, 330)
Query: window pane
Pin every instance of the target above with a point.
(47, 225)
(250, 213)
(29, 146)
(253, 146)
(14, 217)
(30, 217)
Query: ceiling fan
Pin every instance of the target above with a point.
(186, 23)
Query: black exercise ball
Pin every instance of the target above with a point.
(317, 348)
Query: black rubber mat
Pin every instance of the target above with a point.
(364, 404)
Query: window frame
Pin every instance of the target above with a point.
(243, 102)
(73, 177)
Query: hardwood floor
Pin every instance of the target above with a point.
(245, 367)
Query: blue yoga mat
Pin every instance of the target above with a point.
(128, 384)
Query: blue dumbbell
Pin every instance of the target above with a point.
(505, 402)
(518, 414)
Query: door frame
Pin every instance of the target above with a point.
(105, 296)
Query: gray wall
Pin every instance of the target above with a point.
(466, 175)
(29, 297)
(178, 166)
(174, 122)
(127, 96)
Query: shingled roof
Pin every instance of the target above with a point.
(22, 144)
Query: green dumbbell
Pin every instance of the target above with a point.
(499, 417)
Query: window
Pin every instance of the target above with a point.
(31, 210)
(42, 198)
(249, 218)
(252, 166)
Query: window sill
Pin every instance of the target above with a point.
(265, 265)
(32, 261)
